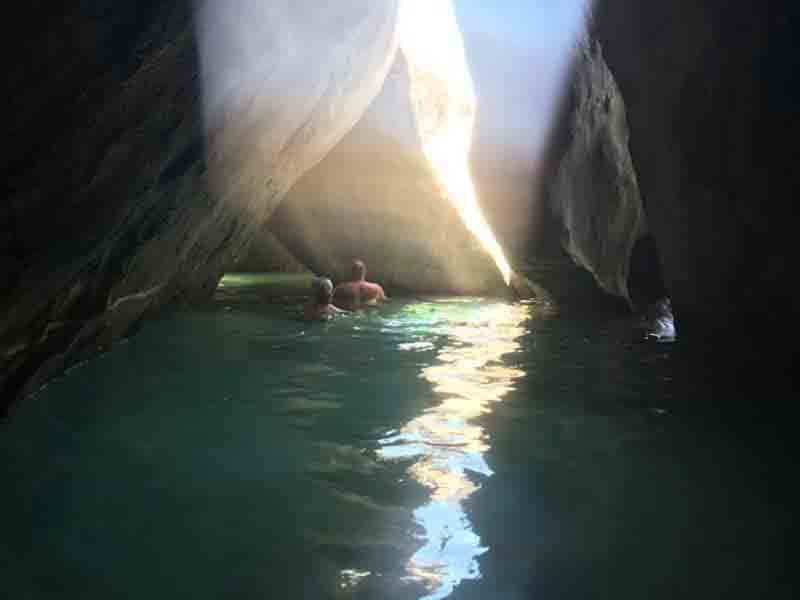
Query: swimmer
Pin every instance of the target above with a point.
(320, 306)
(358, 292)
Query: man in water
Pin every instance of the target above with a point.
(359, 292)
(320, 307)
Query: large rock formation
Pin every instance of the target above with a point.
(587, 214)
(112, 206)
(712, 98)
(712, 105)
(376, 197)
(591, 186)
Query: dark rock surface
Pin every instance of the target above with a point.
(108, 144)
(712, 105)
(589, 180)
(569, 288)
(116, 199)
(712, 98)
(645, 281)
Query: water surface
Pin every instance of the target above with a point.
(431, 448)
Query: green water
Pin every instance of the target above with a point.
(431, 448)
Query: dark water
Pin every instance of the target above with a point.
(460, 448)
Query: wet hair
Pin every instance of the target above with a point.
(359, 269)
(323, 290)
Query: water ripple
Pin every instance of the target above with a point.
(447, 445)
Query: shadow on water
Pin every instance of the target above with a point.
(434, 448)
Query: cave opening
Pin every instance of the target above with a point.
(447, 126)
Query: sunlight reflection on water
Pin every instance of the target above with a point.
(468, 378)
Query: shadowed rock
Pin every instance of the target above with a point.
(592, 189)
(712, 106)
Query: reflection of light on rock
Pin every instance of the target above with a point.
(443, 99)
(469, 378)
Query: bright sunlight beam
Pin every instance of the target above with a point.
(443, 99)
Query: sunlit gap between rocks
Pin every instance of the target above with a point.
(445, 106)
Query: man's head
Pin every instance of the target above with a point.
(323, 290)
(359, 270)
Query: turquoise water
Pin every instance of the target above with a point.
(431, 448)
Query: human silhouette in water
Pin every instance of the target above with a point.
(358, 292)
(320, 306)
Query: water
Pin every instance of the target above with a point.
(431, 448)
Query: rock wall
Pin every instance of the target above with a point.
(712, 97)
(590, 183)
(712, 106)
(149, 146)
(266, 254)
(375, 197)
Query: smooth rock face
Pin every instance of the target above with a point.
(267, 255)
(145, 158)
(591, 187)
(712, 97)
(284, 82)
(375, 197)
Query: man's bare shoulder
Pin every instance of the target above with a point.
(373, 291)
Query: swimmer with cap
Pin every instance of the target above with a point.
(320, 306)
